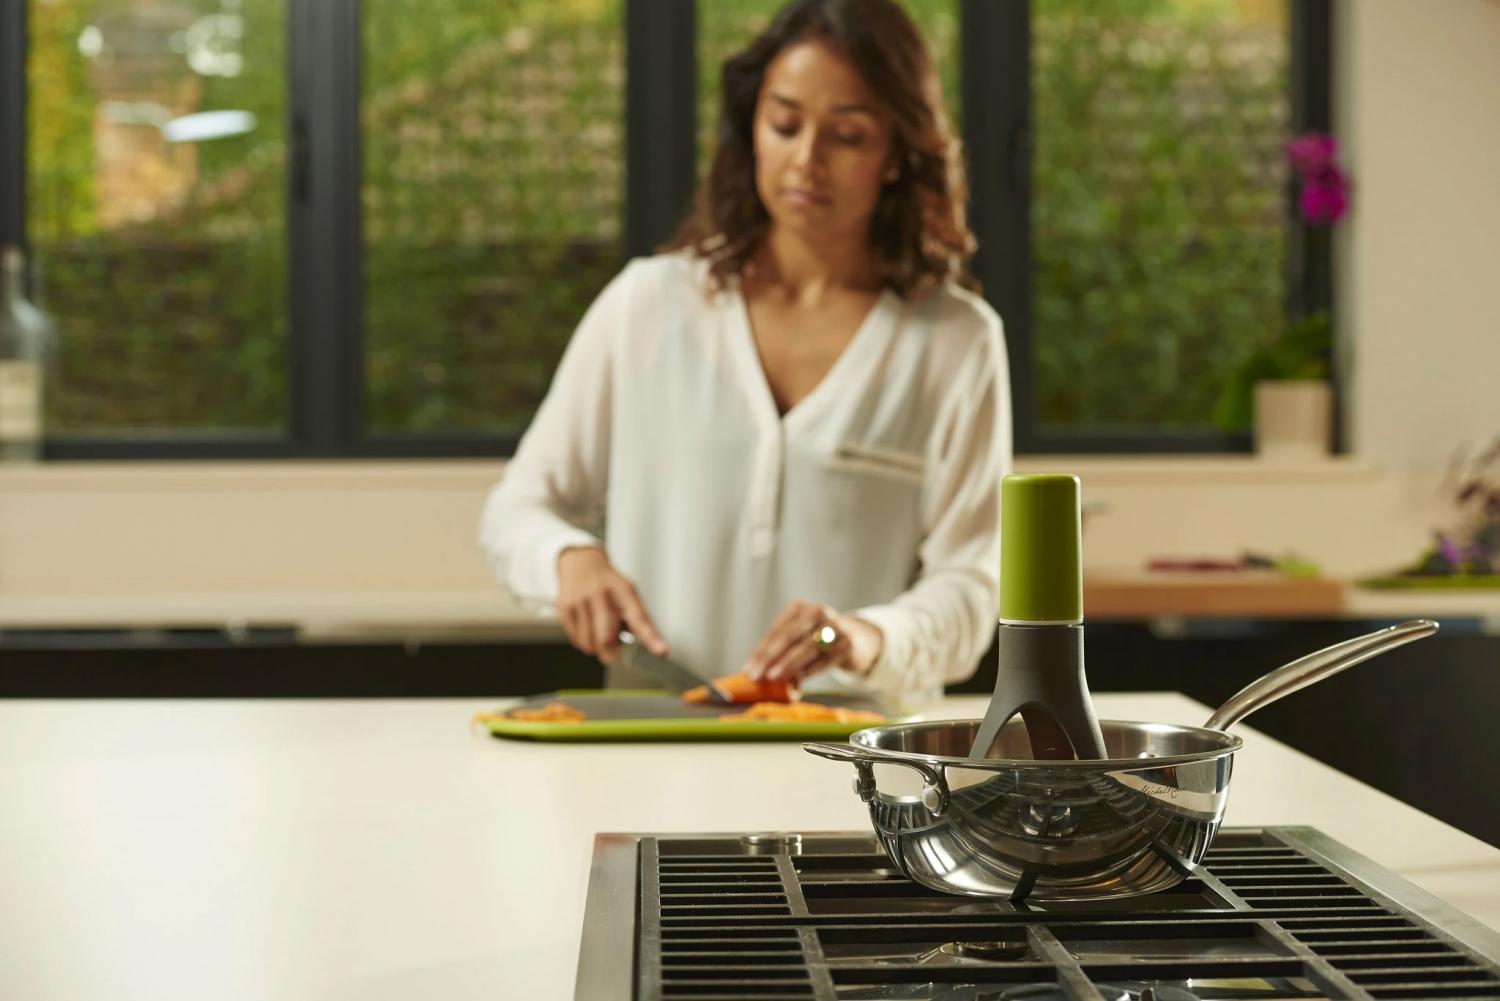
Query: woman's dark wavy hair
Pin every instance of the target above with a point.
(918, 231)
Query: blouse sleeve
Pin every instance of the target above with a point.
(936, 631)
(553, 488)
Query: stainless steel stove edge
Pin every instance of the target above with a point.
(608, 943)
(1444, 919)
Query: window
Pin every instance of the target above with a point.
(310, 227)
(493, 187)
(345, 228)
(1131, 202)
(155, 213)
(1158, 216)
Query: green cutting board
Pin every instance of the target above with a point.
(648, 715)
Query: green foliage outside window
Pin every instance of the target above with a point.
(163, 264)
(493, 201)
(1159, 212)
(493, 157)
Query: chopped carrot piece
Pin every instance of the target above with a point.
(552, 712)
(802, 712)
(742, 689)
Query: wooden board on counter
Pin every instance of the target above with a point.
(1219, 594)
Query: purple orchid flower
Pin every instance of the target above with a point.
(1312, 151)
(1452, 552)
(1325, 197)
(1325, 190)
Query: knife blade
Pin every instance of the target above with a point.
(672, 675)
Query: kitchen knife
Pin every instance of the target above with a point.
(672, 675)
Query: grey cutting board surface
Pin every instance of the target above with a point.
(600, 706)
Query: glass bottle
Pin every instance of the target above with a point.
(25, 341)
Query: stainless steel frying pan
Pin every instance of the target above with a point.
(1012, 826)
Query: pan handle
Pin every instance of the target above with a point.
(934, 794)
(1315, 667)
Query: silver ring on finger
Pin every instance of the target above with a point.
(825, 637)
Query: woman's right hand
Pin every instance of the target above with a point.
(595, 601)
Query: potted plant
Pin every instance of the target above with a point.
(1281, 385)
(1466, 551)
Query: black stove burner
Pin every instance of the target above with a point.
(1186, 991)
(1276, 913)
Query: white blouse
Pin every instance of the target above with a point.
(876, 494)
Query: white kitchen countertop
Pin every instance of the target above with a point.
(379, 850)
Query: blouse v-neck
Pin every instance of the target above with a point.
(877, 324)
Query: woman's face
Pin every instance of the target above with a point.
(823, 144)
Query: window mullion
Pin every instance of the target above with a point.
(326, 359)
(13, 124)
(996, 93)
(1309, 279)
(1309, 275)
(660, 118)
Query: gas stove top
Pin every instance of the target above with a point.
(1274, 913)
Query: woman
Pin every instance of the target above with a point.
(795, 422)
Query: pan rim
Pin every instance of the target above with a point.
(1230, 743)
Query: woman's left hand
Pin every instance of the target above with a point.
(807, 637)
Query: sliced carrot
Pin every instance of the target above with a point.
(552, 712)
(802, 712)
(742, 689)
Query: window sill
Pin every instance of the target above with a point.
(189, 475)
(1208, 470)
(1143, 470)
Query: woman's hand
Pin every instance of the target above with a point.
(799, 643)
(594, 601)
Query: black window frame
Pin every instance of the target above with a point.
(995, 41)
(325, 351)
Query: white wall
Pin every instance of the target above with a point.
(1419, 106)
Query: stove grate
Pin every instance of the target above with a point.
(1270, 915)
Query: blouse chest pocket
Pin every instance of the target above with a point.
(875, 460)
(869, 496)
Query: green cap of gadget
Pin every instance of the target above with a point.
(1041, 549)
